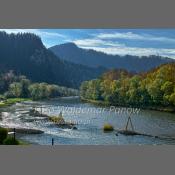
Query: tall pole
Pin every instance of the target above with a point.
(52, 141)
(129, 120)
(14, 134)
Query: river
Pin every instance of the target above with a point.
(90, 120)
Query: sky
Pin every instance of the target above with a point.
(140, 42)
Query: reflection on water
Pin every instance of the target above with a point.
(90, 124)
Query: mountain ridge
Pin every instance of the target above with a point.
(26, 55)
(89, 57)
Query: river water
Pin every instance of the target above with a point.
(90, 120)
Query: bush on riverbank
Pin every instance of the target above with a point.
(3, 134)
(108, 127)
(60, 122)
(57, 120)
(10, 141)
(10, 101)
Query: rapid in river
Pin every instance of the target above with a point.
(89, 120)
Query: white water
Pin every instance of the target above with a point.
(89, 124)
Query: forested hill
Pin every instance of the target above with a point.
(155, 88)
(92, 58)
(26, 55)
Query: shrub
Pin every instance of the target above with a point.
(3, 134)
(108, 127)
(58, 120)
(10, 141)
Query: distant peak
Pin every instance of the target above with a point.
(70, 44)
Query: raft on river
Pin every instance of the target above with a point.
(131, 132)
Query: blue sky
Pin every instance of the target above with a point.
(111, 41)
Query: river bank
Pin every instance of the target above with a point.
(107, 104)
(11, 101)
(90, 125)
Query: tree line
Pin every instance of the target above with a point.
(119, 87)
(13, 86)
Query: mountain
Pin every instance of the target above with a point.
(25, 54)
(92, 58)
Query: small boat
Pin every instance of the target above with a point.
(131, 132)
(128, 132)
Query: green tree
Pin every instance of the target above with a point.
(25, 87)
(172, 99)
(167, 88)
(16, 89)
(154, 89)
(133, 93)
(83, 89)
(34, 91)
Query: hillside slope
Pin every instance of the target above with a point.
(92, 58)
(26, 55)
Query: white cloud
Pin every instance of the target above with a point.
(88, 42)
(124, 50)
(127, 35)
(101, 42)
(95, 43)
(132, 36)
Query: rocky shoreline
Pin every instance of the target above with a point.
(24, 130)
